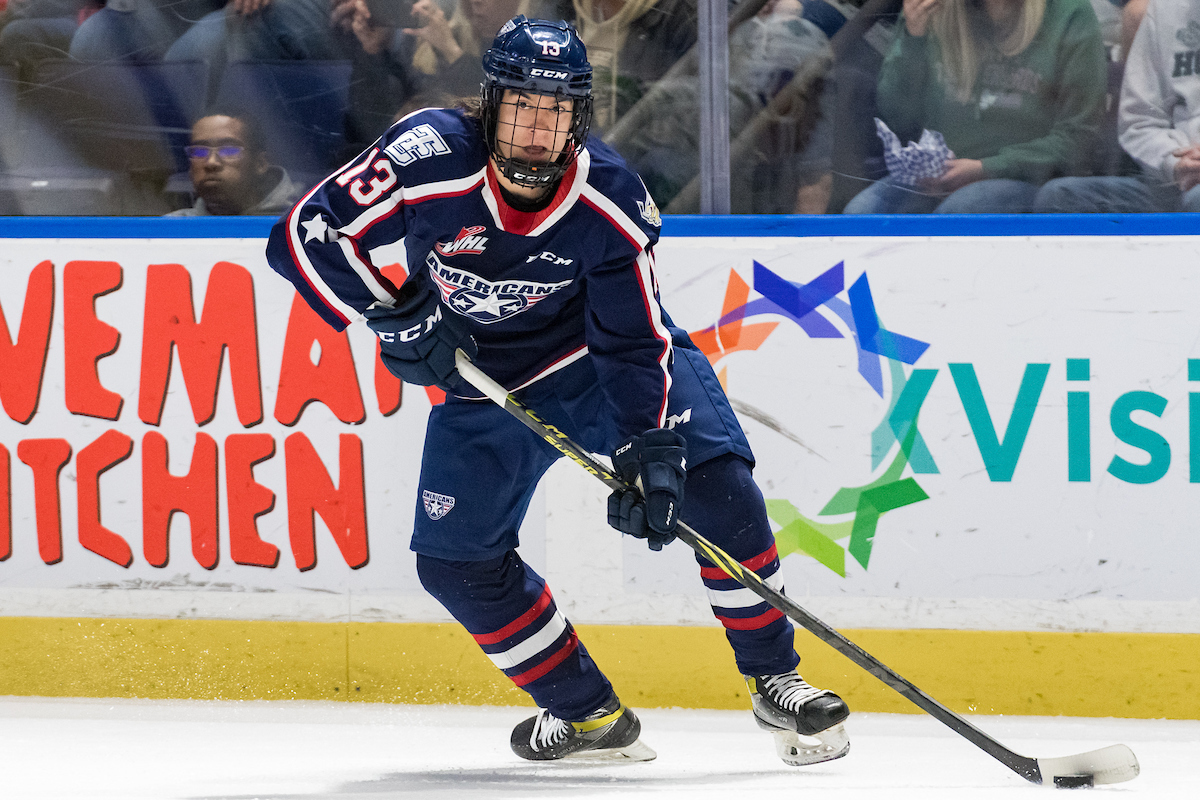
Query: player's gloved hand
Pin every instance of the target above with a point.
(418, 337)
(659, 459)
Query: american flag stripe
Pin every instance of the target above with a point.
(751, 623)
(556, 658)
(742, 597)
(756, 563)
(540, 640)
(535, 611)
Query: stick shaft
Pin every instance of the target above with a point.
(1024, 766)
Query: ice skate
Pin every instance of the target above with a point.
(806, 721)
(609, 732)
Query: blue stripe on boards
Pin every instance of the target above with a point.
(697, 225)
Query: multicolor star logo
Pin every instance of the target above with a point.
(802, 304)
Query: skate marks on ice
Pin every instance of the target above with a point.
(61, 749)
(564, 779)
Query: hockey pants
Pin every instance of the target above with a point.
(511, 613)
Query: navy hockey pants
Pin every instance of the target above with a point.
(478, 473)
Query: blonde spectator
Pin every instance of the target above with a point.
(1016, 87)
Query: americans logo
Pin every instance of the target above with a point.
(483, 300)
(437, 505)
(468, 241)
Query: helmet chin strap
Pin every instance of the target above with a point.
(530, 175)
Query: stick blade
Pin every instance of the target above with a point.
(1113, 764)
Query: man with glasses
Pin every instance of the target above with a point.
(231, 174)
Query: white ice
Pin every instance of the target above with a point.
(153, 750)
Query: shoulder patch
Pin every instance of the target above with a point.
(422, 141)
(649, 210)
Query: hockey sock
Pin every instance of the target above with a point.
(725, 505)
(509, 610)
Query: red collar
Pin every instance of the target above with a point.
(522, 222)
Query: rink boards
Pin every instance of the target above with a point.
(979, 452)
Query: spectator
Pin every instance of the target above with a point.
(1158, 122)
(1132, 12)
(436, 59)
(262, 30)
(1108, 14)
(231, 173)
(31, 30)
(213, 31)
(631, 44)
(776, 62)
(1015, 86)
(136, 30)
(440, 52)
(859, 48)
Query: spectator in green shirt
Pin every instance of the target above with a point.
(1016, 87)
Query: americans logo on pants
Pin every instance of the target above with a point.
(437, 505)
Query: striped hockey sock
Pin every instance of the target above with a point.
(725, 505)
(509, 610)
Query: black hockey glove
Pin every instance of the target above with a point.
(418, 337)
(659, 459)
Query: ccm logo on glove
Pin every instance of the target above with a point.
(655, 466)
(413, 333)
(417, 339)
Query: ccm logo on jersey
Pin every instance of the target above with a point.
(548, 73)
(420, 142)
(481, 299)
(546, 255)
(413, 333)
(468, 241)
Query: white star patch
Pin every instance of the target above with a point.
(490, 304)
(316, 228)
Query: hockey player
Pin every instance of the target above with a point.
(531, 247)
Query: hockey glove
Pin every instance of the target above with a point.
(418, 337)
(656, 463)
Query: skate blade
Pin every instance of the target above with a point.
(799, 750)
(638, 751)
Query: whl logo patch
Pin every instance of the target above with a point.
(483, 300)
(468, 241)
(437, 505)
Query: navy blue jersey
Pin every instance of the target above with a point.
(537, 291)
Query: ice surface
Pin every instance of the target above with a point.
(155, 750)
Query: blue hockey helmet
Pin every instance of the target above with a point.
(538, 57)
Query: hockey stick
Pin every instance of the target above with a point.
(1112, 764)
